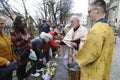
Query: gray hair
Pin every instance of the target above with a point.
(75, 17)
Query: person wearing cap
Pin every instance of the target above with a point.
(38, 44)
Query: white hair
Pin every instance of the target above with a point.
(47, 37)
(75, 17)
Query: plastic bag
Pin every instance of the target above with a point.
(33, 56)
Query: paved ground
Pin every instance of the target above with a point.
(61, 72)
(115, 67)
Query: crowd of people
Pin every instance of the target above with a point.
(74, 43)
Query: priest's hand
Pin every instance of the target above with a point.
(73, 44)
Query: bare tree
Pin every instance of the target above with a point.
(26, 13)
(6, 9)
(65, 7)
(55, 9)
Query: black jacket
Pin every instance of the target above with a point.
(45, 28)
(38, 44)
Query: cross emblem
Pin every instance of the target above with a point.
(96, 68)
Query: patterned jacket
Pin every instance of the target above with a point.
(19, 43)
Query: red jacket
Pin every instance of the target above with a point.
(53, 34)
(51, 43)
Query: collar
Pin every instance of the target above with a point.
(101, 20)
(75, 29)
(0, 32)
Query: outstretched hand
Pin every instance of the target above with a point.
(73, 44)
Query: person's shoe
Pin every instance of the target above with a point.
(40, 70)
(35, 75)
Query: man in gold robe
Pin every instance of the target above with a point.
(95, 56)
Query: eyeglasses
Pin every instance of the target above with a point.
(89, 11)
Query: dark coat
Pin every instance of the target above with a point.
(38, 44)
(45, 28)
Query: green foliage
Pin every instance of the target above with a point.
(36, 32)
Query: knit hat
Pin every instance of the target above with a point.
(47, 37)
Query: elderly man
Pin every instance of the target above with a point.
(74, 40)
(95, 56)
(6, 53)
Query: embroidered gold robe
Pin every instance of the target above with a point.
(95, 56)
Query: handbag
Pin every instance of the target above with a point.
(4, 70)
